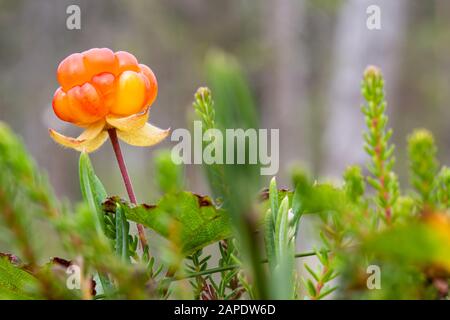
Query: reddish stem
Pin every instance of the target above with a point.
(126, 179)
(383, 192)
(319, 284)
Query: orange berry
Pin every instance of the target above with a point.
(92, 101)
(131, 93)
(126, 62)
(98, 82)
(99, 60)
(153, 91)
(100, 89)
(60, 105)
(85, 104)
(72, 71)
(105, 85)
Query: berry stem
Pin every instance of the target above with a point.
(126, 179)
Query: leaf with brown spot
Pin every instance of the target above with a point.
(190, 221)
(15, 260)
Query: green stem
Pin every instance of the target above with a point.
(235, 266)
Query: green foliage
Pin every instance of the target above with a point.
(269, 223)
(443, 188)
(196, 264)
(204, 107)
(16, 283)
(92, 189)
(331, 203)
(410, 269)
(216, 243)
(317, 198)
(79, 231)
(428, 247)
(324, 274)
(412, 254)
(354, 184)
(230, 286)
(169, 176)
(377, 143)
(284, 237)
(280, 230)
(234, 107)
(122, 236)
(94, 194)
(423, 164)
(235, 185)
(24, 194)
(189, 220)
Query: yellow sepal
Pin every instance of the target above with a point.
(146, 136)
(130, 123)
(90, 139)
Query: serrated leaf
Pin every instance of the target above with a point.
(190, 221)
(16, 283)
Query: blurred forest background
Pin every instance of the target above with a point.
(303, 60)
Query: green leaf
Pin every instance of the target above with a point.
(91, 188)
(189, 220)
(273, 197)
(326, 292)
(16, 283)
(94, 194)
(122, 229)
(281, 230)
(269, 231)
(266, 202)
(423, 164)
(317, 198)
(311, 272)
(311, 288)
